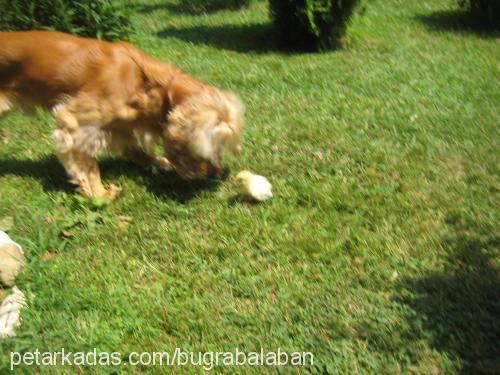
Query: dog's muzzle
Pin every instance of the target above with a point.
(195, 169)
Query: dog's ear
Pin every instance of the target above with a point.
(182, 87)
(154, 73)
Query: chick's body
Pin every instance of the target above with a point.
(255, 186)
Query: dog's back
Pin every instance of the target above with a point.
(38, 67)
(32, 66)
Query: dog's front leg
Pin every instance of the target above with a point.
(81, 168)
(83, 171)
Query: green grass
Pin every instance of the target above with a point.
(379, 252)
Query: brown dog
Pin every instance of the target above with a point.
(112, 96)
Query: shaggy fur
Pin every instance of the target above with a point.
(113, 96)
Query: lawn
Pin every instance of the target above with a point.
(379, 252)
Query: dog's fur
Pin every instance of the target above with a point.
(113, 96)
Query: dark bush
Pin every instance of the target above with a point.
(311, 25)
(485, 11)
(103, 19)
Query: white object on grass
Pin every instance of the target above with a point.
(5, 240)
(255, 186)
(10, 312)
(12, 260)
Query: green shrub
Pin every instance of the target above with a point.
(103, 19)
(311, 24)
(486, 11)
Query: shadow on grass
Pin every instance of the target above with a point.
(239, 198)
(47, 170)
(256, 38)
(459, 307)
(50, 172)
(456, 20)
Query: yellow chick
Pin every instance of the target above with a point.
(255, 186)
